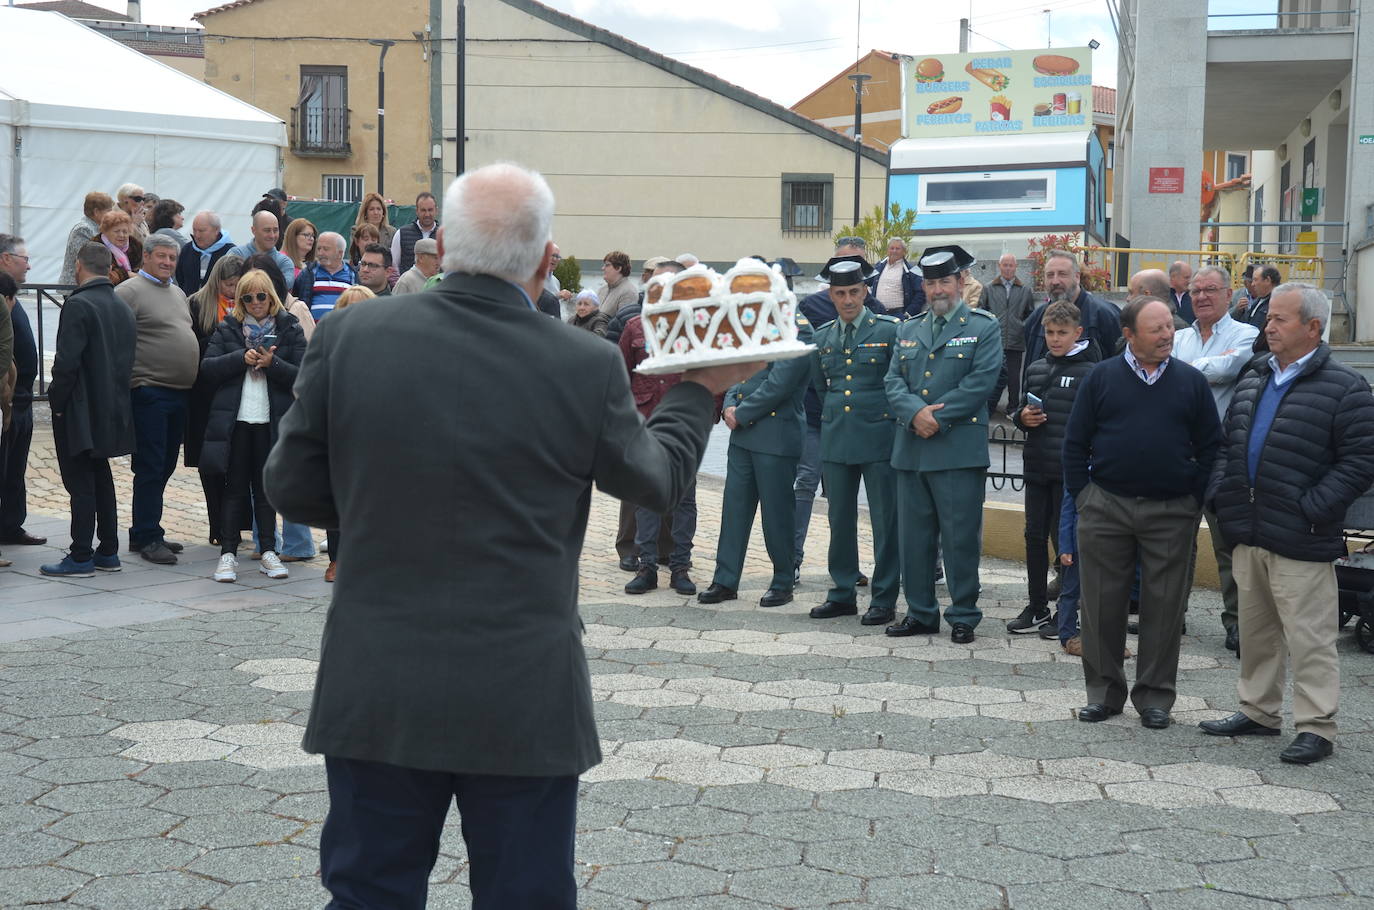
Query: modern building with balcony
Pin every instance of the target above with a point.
(1282, 98)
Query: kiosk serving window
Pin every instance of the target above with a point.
(989, 191)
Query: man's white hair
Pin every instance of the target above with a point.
(497, 221)
(1314, 304)
(332, 238)
(211, 217)
(127, 190)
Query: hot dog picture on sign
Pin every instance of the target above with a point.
(989, 94)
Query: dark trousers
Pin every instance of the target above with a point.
(941, 509)
(627, 528)
(212, 485)
(808, 481)
(1043, 501)
(14, 463)
(331, 540)
(159, 422)
(682, 525)
(842, 497)
(757, 482)
(1013, 361)
(1113, 531)
(91, 488)
(248, 449)
(381, 837)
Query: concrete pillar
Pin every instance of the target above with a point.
(1166, 110)
(1360, 172)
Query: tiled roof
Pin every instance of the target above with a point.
(76, 9)
(1104, 100)
(233, 4)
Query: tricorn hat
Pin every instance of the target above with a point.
(939, 261)
(865, 271)
(845, 274)
(276, 193)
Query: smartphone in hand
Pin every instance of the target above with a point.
(1034, 401)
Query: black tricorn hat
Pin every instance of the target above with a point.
(846, 274)
(865, 271)
(939, 261)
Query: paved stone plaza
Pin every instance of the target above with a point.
(149, 724)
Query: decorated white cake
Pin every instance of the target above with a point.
(699, 318)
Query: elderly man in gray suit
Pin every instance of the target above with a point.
(457, 671)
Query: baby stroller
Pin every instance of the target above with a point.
(1355, 574)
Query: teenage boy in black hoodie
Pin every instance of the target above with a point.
(1046, 400)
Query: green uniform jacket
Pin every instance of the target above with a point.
(768, 405)
(856, 420)
(959, 370)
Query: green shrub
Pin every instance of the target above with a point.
(569, 274)
(877, 228)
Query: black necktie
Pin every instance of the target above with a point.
(940, 323)
(849, 338)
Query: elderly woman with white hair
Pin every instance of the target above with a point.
(587, 314)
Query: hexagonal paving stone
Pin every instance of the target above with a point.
(212, 800)
(797, 688)
(642, 794)
(1071, 896)
(943, 891)
(620, 682)
(256, 863)
(259, 734)
(660, 751)
(1026, 712)
(782, 886)
(278, 755)
(84, 770)
(1096, 770)
(127, 857)
(974, 695)
(744, 701)
(705, 685)
(996, 864)
(613, 847)
(115, 794)
(653, 698)
(1205, 774)
(33, 848)
(1265, 878)
(1162, 794)
(736, 852)
(984, 764)
(808, 826)
(692, 646)
(234, 829)
(277, 666)
(162, 730)
(1046, 789)
(921, 707)
(710, 773)
(768, 648)
(878, 759)
(838, 705)
(113, 824)
(286, 682)
(613, 767)
(1190, 846)
(1136, 873)
(1287, 800)
(932, 783)
(686, 821)
(772, 756)
(658, 881)
(153, 891)
(166, 751)
(822, 778)
(39, 884)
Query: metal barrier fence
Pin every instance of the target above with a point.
(1121, 262)
(54, 295)
(1005, 439)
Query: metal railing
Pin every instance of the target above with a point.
(1005, 439)
(1120, 262)
(320, 131)
(54, 295)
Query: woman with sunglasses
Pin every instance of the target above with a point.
(251, 363)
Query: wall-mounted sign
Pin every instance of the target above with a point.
(1166, 180)
(1032, 91)
(1367, 140)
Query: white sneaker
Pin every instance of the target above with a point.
(270, 565)
(228, 568)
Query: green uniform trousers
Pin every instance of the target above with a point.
(935, 508)
(842, 494)
(754, 480)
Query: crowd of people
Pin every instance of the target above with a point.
(206, 336)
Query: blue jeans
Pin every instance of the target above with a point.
(808, 479)
(292, 539)
(1068, 603)
(159, 423)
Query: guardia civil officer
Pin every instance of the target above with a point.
(848, 369)
(938, 384)
(766, 421)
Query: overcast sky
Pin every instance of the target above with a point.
(784, 49)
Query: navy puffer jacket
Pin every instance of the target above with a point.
(1054, 380)
(1317, 459)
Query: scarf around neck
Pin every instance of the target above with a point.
(121, 254)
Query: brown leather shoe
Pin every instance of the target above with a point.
(1074, 646)
(296, 558)
(329, 572)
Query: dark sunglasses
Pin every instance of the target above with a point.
(260, 297)
(137, 198)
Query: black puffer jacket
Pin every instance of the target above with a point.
(223, 369)
(1054, 380)
(1317, 459)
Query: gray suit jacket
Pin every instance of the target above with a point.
(453, 642)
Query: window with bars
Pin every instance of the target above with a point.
(343, 187)
(319, 121)
(807, 203)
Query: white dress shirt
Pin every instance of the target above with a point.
(1220, 358)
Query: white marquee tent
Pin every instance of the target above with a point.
(82, 112)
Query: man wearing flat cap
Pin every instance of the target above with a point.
(848, 369)
(938, 385)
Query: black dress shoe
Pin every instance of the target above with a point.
(961, 633)
(1306, 749)
(682, 583)
(912, 626)
(1237, 725)
(22, 538)
(173, 545)
(877, 616)
(645, 580)
(863, 581)
(629, 564)
(1233, 639)
(157, 552)
(1154, 718)
(1096, 713)
(830, 609)
(776, 597)
(715, 593)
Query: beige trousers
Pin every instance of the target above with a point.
(1287, 610)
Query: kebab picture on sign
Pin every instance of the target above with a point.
(993, 79)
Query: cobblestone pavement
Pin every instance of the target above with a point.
(754, 758)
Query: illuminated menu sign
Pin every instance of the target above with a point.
(1033, 91)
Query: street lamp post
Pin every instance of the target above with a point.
(858, 79)
(460, 152)
(385, 44)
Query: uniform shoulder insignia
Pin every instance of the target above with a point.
(801, 320)
(984, 313)
(825, 325)
(883, 317)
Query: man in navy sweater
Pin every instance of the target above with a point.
(1138, 453)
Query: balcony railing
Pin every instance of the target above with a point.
(320, 132)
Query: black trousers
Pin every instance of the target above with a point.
(91, 488)
(381, 836)
(14, 462)
(248, 449)
(1043, 501)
